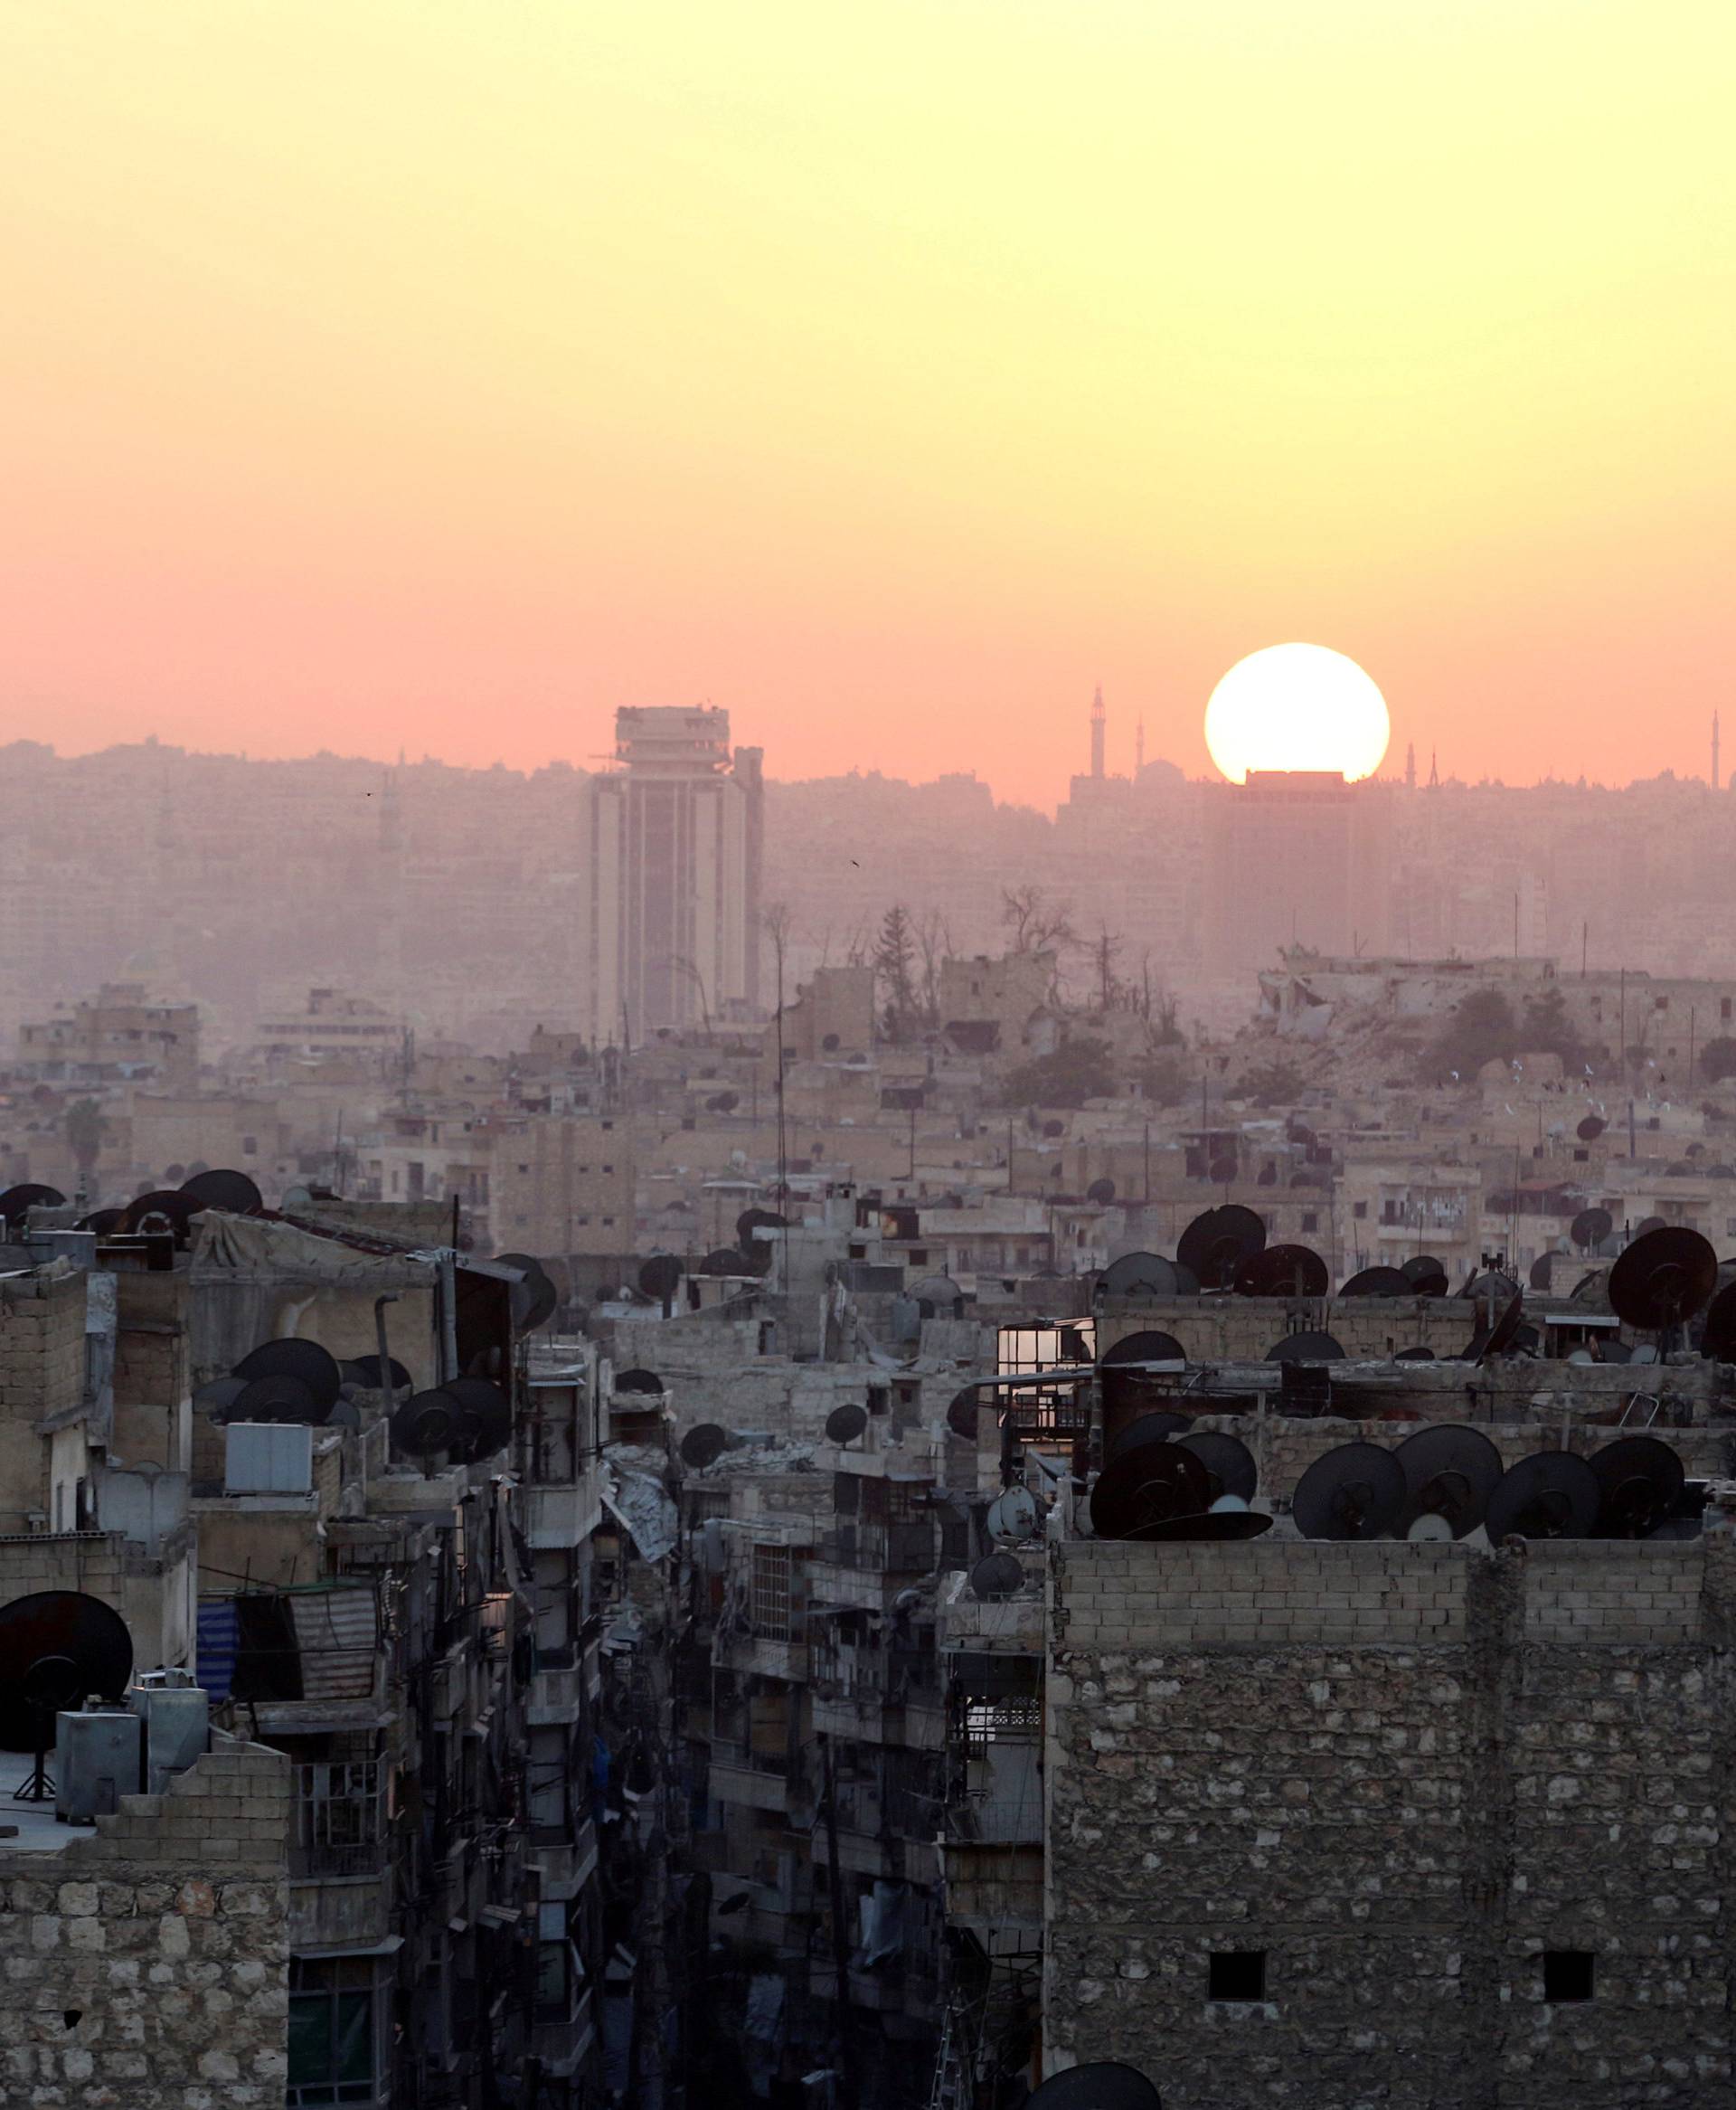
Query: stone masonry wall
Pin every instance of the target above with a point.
(1403, 1772)
(146, 1967)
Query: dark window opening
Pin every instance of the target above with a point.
(1567, 1974)
(1237, 1975)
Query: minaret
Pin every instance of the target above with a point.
(1715, 784)
(1434, 774)
(1410, 767)
(1096, 731)
(1139, 746)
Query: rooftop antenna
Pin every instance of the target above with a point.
(1096, 731)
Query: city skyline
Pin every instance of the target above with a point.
(883, 383)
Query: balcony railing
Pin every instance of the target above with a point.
(339, 1820)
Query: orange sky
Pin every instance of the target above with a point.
(426, 373)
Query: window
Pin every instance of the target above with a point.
(771, 1592)
(331, 2031)
(1723, 1008)
(1310, 1220)
(1360, 1209)
(1660, 1004)
(249, 1146)
(1567, 1974)
(1237, 1975)
(1000, 1721)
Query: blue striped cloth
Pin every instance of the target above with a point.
(217, 1630)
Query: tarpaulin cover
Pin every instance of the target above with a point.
(338, 1633)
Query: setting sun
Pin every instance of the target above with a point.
(1296, 707)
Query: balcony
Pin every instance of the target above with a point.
(558, 1517)
(753, 1780)
(557, 1694)
(563, 2044)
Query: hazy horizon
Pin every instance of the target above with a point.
(397, 376)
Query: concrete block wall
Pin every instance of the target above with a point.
(42, 1372)
(146, 1967)
(1402, 1773)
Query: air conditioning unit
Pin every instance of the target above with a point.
(268, 1458)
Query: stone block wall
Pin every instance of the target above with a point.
(146, 1967)
(1402, 1773)
(42, 1372)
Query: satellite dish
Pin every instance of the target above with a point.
(1230, 1468)
(1283, 1271)
(1592, 1226)
(367, 1372)
(1214, 1246)
(1663, 1279)
(639, 1381)
(1308, 1346)
(427, 1423)
(223, 1190)
(1222, 1170)
(1014, 1516)
(1139, 1274)
(1551, 1494)
(1187, 1284)
(1589, 1129)
(177, 1209)
(1242, 1523)
(278, 1398)
(304, 1360)
(754, 1220)
(724, 1261)
(703, 1445)
(1355, 1491)
(1150, 1428)
(1429, 1528)
(1379, 1282)
(1450, 1470)
(1491, 1282)
(1718, 1339)
(1426, 1275)
(997, 1577)
(1101, 1192)
(961, 1414)
(32, 1195)
(219, 1396)
(1649, 1223)
(58, 1648)
(486, 1423)
(1147, 1485)
(534, 1299)
(296, 1198)
(1101, 2084)
(1639, 1482)
(844, 1423)
(660, 1277)
(1148, 1345)
(103, 1222)
(1496, 1338)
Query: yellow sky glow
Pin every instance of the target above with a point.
(443, 375)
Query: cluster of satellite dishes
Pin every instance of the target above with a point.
(1446, 1481)
(1164, 1479)
(705, 1443)
(1225, 1250)
(164, 1208)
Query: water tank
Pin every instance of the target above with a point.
(99, 1757)
(177, 1714)
(267, 1458)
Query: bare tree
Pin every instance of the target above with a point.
(774, 920)
(934, 940)
(1111, 993)
(895, 971)
(1034, 922)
